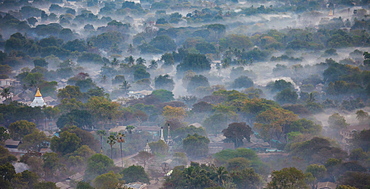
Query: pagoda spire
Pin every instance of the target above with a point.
(38, 93)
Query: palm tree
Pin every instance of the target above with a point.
(129, 128)
(101, 133)
(221, 176)
(111, 141)
(130, 60)
(125, 86)
(140, 61)
(5, 93)
(121, 140)
(362, 116)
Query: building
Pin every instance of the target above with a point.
(38, 101)
(349, 133)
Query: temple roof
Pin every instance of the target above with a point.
(38, 94)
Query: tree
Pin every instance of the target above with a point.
(163, 43)
(337, 122)
(7, 173)
(143, 157)
(40, 62)
(168, 59)
(4, 135)
(317, 171)
(170, 112)
(70, 92)
(52, 165)
(141, 73)
(246, 178)
(101, 133)
(317, 150)
(242, 82)
(19, 129)
(238, 163)
(217, 30)
(125, 87)
(195, 62)
(286, 96)
(196, 145)
(287, 178)
(163, 95)
(107, 181)
(80, 118)
(45, 185)
(66, 143)
(25, 179)
(120, 140)
(355, 179)
(164, 82)
(362, 140)
(97, 164)
(197, 81)
(111, 141)
(159, 147)
(83, 185)
(5, 93)
(236, 132)
(236, 41)
(34, 141)
(135, 174)
(279, 85)
(362, 116)
(215, 123)
(102, 109)
(274, 123)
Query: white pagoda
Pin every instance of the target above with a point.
(38, 101)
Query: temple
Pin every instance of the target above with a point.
(38, 101)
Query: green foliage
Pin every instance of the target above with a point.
(141, 73)
(288, 178)
(235, 41)
(4, 135)
(242, 82)
(45, 185)
(106, 181)
(97, 164)
(70, 92)
(286, 96)
(80, 118)
(66, 143)
(337, 122)
(19, 129)
(164, 82)
(34, 141)
(163, 95)
(246, 178)
(236, 132)
(279, 85)
(197, 81)
(182, 132)
(362, 140)
(159, 147)
(355, 179)
(135, 174)
(215, 123)
(316, 150)
(195, 62)
(196, 145)
(83, 185)
(223, 156)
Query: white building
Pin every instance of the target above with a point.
(38, 101)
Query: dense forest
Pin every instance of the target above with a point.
(234, 94)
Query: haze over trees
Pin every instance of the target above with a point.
(241, 90)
